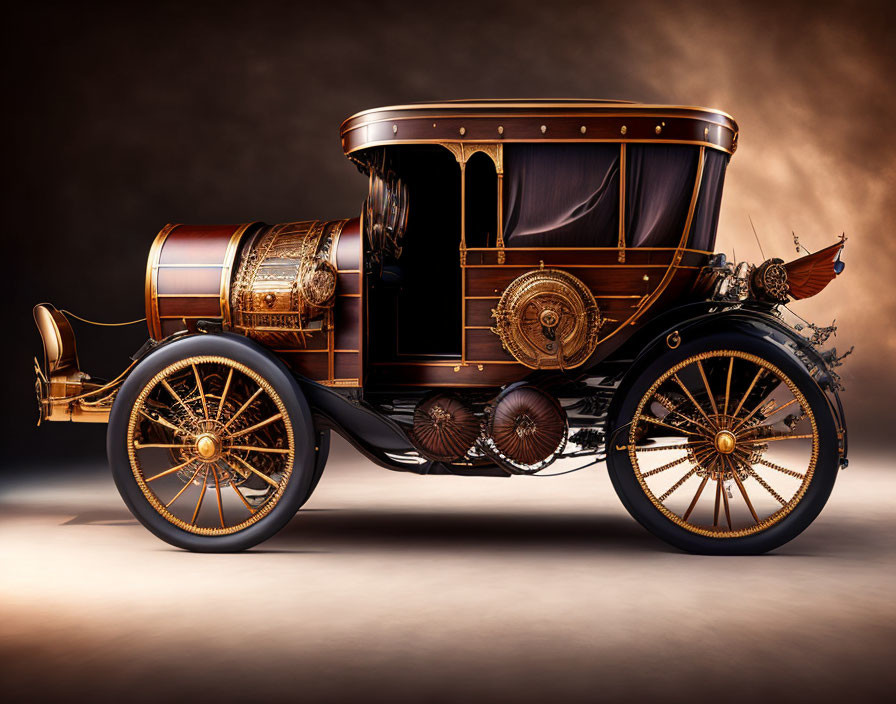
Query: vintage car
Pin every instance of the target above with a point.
(527, 282)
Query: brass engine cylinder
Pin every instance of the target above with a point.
(275, 283)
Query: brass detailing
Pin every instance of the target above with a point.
(723, 410)
(203, 423)
(548, 319)
(64, 392)
(770, 281)
(725, 442)
(673, 340)
(285, 283)
(622, 188)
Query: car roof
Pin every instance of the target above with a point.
(538, 120)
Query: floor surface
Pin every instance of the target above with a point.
(403, 588)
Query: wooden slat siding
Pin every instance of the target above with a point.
(625, 281)
(184, 275)
(204, 306)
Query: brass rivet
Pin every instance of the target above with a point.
(544, 128)
(463, 131)
(394, 129)
(433, 124)
(583, 129)
(658, 129)
(500, 129)
(646, 277)
(705, 132)
(623, 129)
(480, 367)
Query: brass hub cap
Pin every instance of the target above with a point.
(723, 444)
(207, 446)
(210, 427)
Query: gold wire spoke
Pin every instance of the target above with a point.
(712, 399)
(696, 498)
(764, 462)
(742, 488)
(677, 485)
(172, 470)
(177, 398)
(209, 457)
(201, 391)
(748, 391)
(201, 497)
(257, 426)
(224, 394)
(726, 462)
(163, 422)
(692, 399)
(255, 448)
(254, 471)
(185, 487)
(243, 408)
(668, 465)
(728, 386)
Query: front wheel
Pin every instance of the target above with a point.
(724, 446)
(211, 444)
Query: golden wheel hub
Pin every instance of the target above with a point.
(207, 446)
(725, 442)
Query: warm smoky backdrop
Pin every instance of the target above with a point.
(121, 118)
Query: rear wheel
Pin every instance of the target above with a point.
(727, 447)
(211, 444)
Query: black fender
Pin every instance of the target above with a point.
(696, 320)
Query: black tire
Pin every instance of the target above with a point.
(304, 473)
(640, 506)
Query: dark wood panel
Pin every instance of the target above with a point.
(479, 312)
(347, 323)
(484, 345)
(346, 365)
(619, 281)
(348, 283)
(208, 307)
(189, 280)
(314, 365)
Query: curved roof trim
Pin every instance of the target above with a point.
(544, 120)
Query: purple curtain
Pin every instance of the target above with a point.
(561, 195)
(567, 195)
(660, 183)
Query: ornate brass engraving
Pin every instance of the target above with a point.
(285, 283)
(548, 319)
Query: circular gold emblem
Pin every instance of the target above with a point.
(725, 442)
(548, 319)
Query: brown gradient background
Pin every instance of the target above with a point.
(389, 586)
(121, 118)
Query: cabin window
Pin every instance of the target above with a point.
(481, 189)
